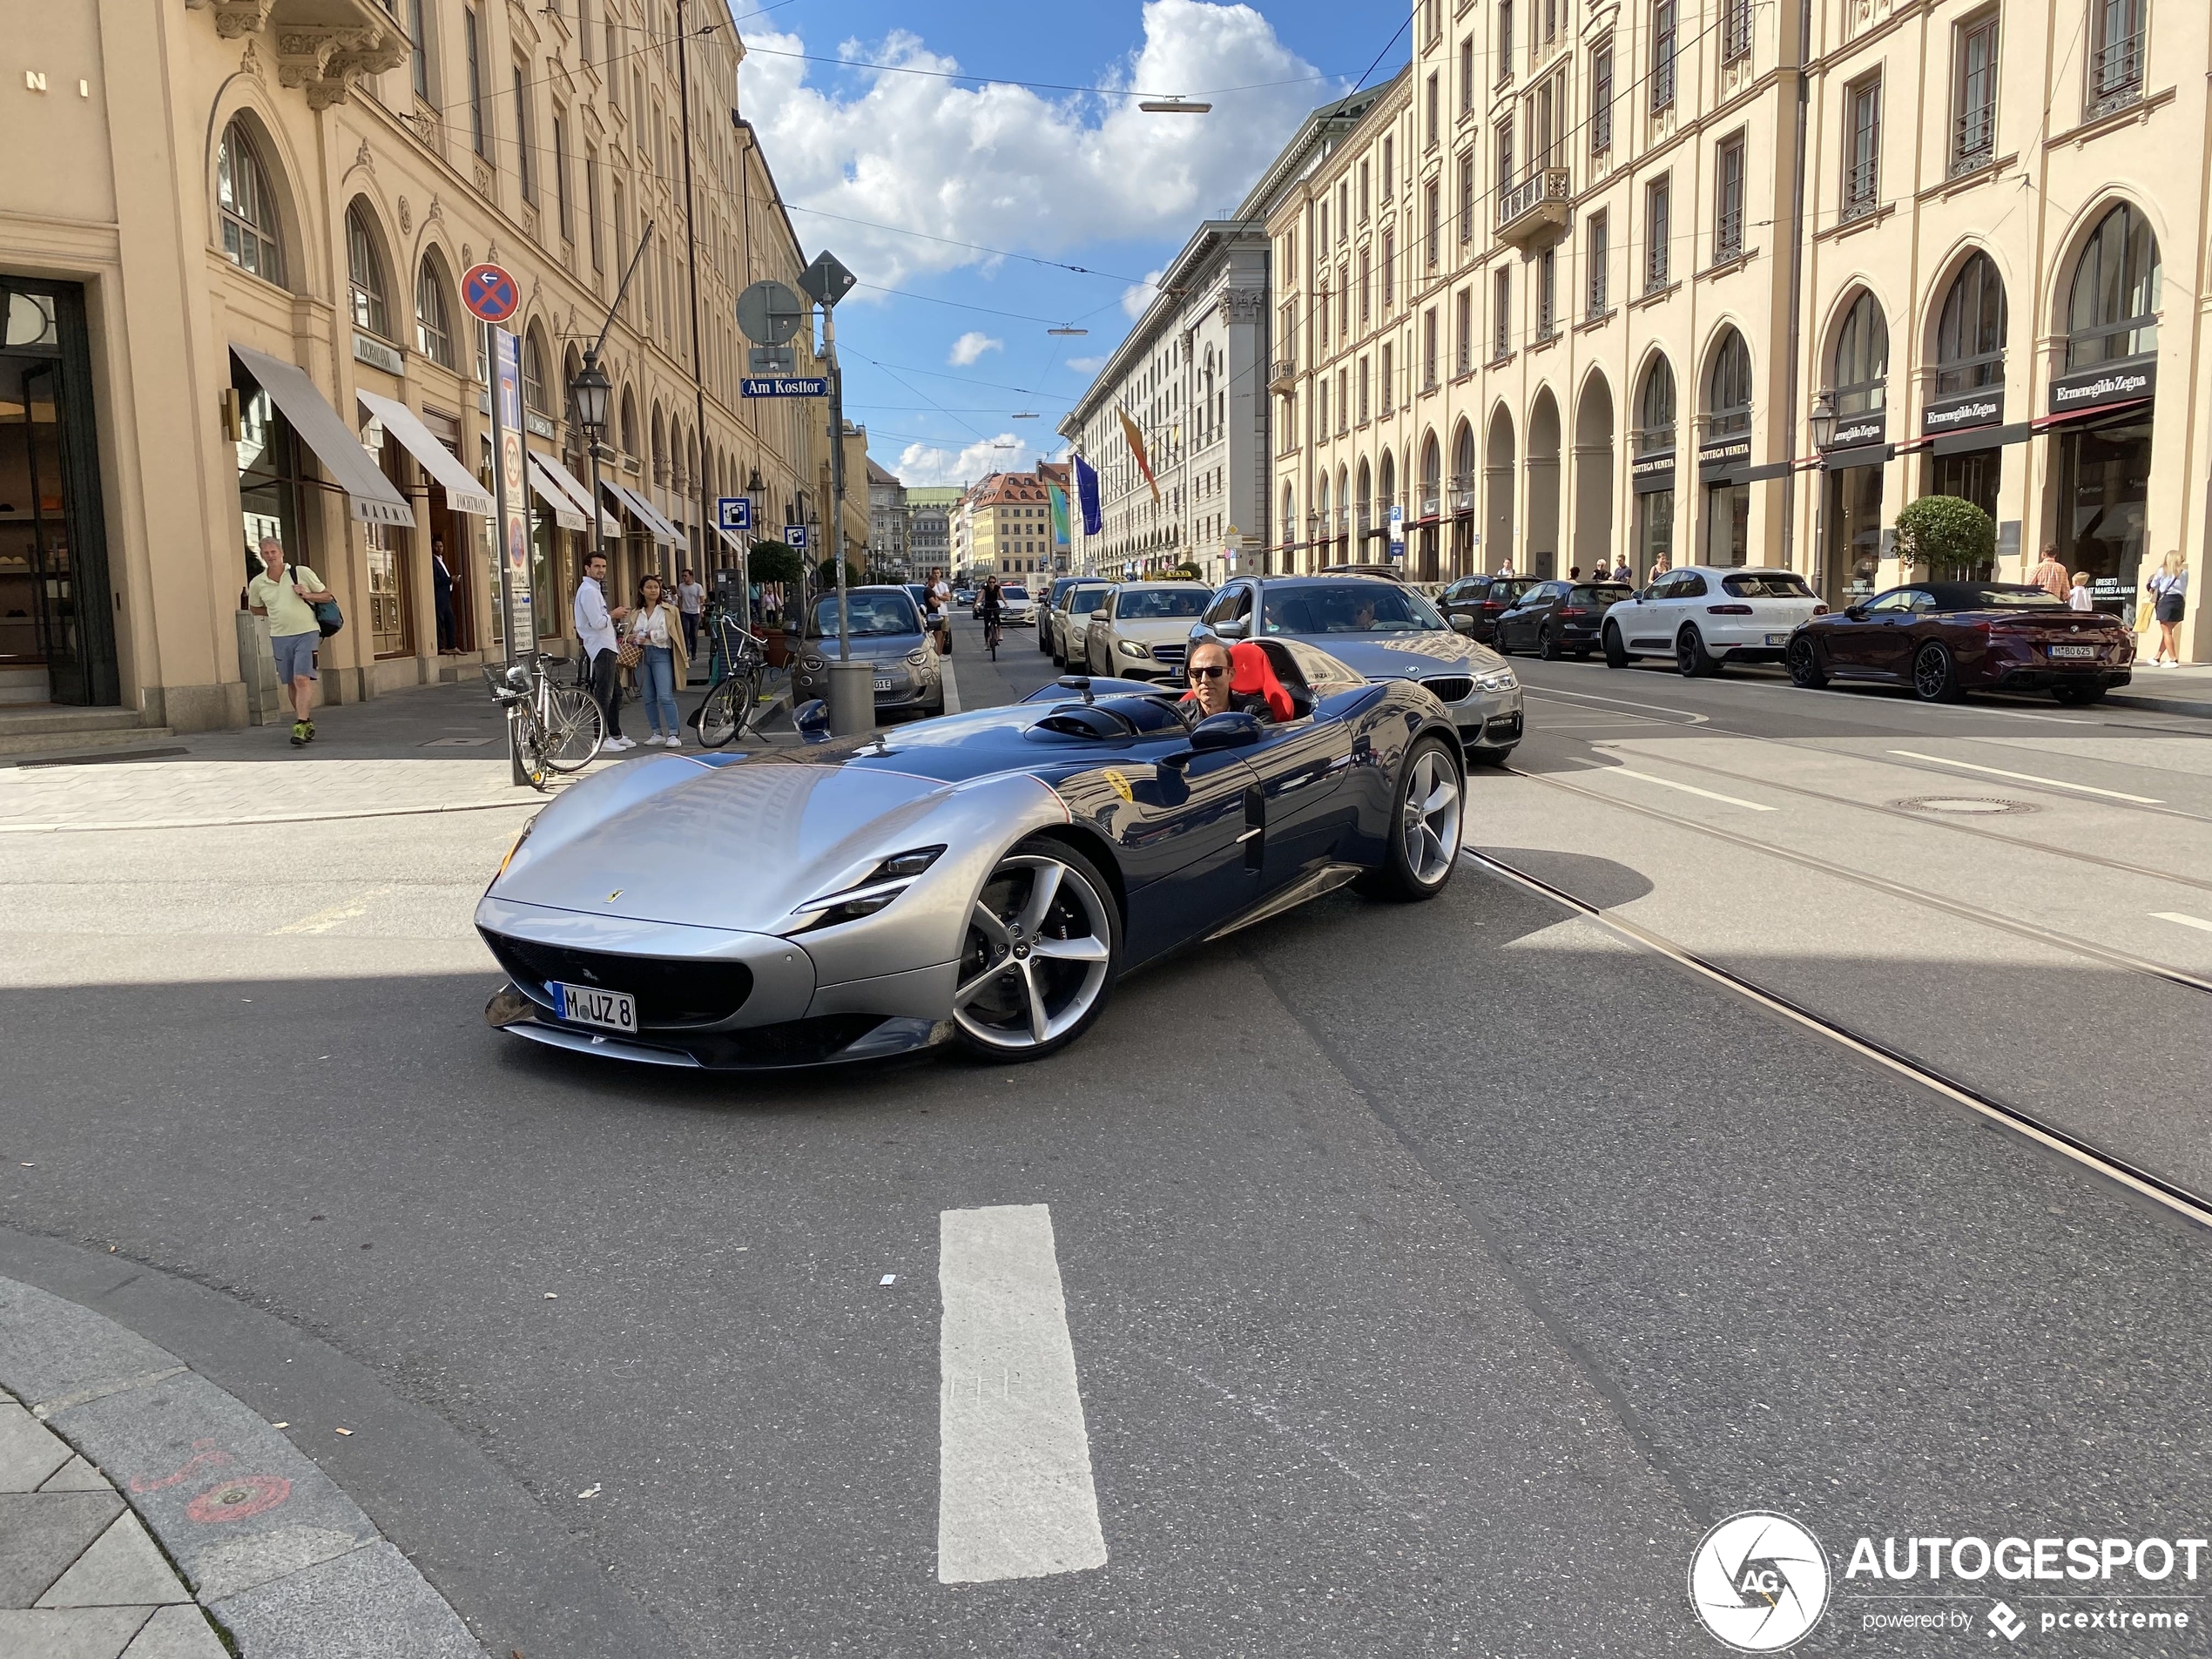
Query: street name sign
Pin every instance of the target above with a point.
(734, 512)
(785, 385)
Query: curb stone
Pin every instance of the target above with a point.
(269, 1545)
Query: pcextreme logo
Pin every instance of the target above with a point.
(1759, 1581)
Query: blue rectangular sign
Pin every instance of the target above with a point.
(795, 536)
(734, 512)
(785, 385)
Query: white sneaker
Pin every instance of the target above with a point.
(675, 741)
(622, 743)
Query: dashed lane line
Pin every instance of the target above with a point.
(2183, 918)
(2030, 778)
(1687, 789)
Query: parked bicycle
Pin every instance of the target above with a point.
(554, 729)
(735, 668)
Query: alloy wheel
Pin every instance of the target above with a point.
(1040, 944)
(1931, 678)
(1430, 818)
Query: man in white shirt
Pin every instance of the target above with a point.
(691, 601)
(289, 601)
(595, 633)
(941, 611)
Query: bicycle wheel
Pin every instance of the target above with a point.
(529, 738)
(726, 711)
(573, 730)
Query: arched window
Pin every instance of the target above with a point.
(1386, 490)
(1432, 478)
(1970, 335)
(433, 322)
(365, 276)
(2112, 313)
(534, 372)
(1655, 410)
(1366, 498)
(629, 422)
(1728, 394)
(1289, 517)
(1463, 461)
(248, 206)
(1862, 358)
(1321, 526)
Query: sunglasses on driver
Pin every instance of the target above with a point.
(1213, 673)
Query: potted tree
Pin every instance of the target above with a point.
(1946, 536)
(774, 565)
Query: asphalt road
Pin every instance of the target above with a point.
(1435, 1276)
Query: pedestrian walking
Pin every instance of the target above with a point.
(663, 663)
(595, 633)
(940, 609)
(690, 600)
(2169, 589)
(2050, 575)
(441, 596)
(2079, 597)
(287, 598)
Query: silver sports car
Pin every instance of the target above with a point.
(982, 879)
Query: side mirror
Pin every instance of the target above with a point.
(1857, 613)
(1231, 628)
(813, 719)
(1234, 729)
(1462, 625)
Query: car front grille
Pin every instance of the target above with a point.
(1451, 688)
(1169, 653)
(670, 991)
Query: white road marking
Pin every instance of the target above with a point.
(2185, 919)
(1690, 717)
(1669, 783)
(2029, 778)
(952, 685)
(323, 920)
(2009, 714)
(1015, 1498)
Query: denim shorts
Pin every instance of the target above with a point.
(295, 655)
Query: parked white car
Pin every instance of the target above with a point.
(1705, 616)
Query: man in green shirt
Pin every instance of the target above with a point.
(287, 598)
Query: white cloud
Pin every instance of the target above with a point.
(924, 464)
(1138, 295)
(1001, 165)
(971, 346)
(1086, 365)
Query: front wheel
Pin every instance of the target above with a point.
(725, 711)
(1616, 655)
(1935, 677)
(1423, 842)
(574, 725)
(1042, 949)
(1806, 671)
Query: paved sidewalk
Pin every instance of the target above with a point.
(2187, 689)
(109, 1446)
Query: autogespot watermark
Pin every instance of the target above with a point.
(1760, 1583)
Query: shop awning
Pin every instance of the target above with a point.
(463, 493)
(566, 513)
(649, 520)
(576, 491)
(737, 551)
(323, 430)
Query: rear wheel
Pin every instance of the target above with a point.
(1547, 644)
(1935, 677)
(1043, 946)
(1692, 660)
(1424, 843)
(1804, 665)
(574, 725)
(725, 710)
(1616, 655)
(1498, 640)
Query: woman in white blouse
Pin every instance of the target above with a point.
(659, 627)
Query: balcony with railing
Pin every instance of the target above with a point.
(1536, 210)
(1860, 195)
(1283, 375)
(1728, 235)
(2116, 74)
(1973, 138)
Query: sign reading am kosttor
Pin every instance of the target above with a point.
(785, 385)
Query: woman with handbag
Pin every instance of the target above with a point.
(655, 652)
(2169, 589)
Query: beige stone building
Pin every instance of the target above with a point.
(229, 257)
(1676, 279)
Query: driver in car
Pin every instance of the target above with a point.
(1211, 693)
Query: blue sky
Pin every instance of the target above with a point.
(1070, 177)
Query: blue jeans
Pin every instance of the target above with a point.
(657, 675)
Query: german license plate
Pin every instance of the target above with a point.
(589, 1005)
(2074, 651)
(1777, 639)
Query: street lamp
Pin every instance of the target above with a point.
(591, 390)
(1822, 421)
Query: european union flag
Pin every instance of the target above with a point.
(1087, 493)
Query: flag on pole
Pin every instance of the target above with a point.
(1087, 493)
(1137, 448)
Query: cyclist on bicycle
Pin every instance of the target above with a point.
(992, 607)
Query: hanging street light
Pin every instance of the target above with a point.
(1173, 106)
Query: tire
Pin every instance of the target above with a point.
(722, 714)
(1498, 641)
(1044, 903)
(1935, 677)
(2075, 696)
(1806, 671)
(1547, 644)
(1692, 661)
(1616, 655)
(1429, 814)
(576, 726)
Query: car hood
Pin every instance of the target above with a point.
(1416, 657)
(875, 648)
(1166, 631)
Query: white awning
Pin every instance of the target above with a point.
(737, 549)
(577, 491)
(648, 520)
(676, 532)
(335, 444)
(566, 513)
(463, 493)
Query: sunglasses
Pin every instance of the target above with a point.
(1207, 673)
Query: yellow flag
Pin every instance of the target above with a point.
(1137, 448)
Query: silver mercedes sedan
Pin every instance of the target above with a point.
(1385, 630)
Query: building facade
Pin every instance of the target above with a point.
(1664, 280)
(233, 304)
(930, 511)
(1009, 527)
(888, 545)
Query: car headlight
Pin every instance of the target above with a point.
(1135, 648)
(813, 665)
(1498, 680)
(917, 657)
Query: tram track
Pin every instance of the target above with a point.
(2170, 1195)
